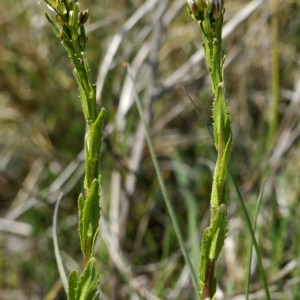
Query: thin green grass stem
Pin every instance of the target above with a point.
(248, 222)
(163, 187)
(191, 205)
(251, 244)
(255, 244)
(274, 73)
(60, 266)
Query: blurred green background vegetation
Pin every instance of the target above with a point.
(41, 140)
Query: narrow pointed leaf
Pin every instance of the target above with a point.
(90, 216)
(96, 143)
(221, 119)
(83, 98)
(218, 231)
(212, 243)
(73, 284)
(89, 281)
(80, 225)
(225, 160)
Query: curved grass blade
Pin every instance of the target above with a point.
(255, 244)
(60, 266)
(250, 250)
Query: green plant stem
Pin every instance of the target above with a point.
(163, 187)
(210, 25)
(248, 222)
(72, 36)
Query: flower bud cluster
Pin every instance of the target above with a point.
(197, 8)
(68, 14)
(57, 5)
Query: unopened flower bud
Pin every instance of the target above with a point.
(60, 20)
(194, 10)
(209, 5)
(217, 8)
(199, 4)
(62, 36)
(71, 18)
(73, 24)
(83, 16)
(60, 7)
